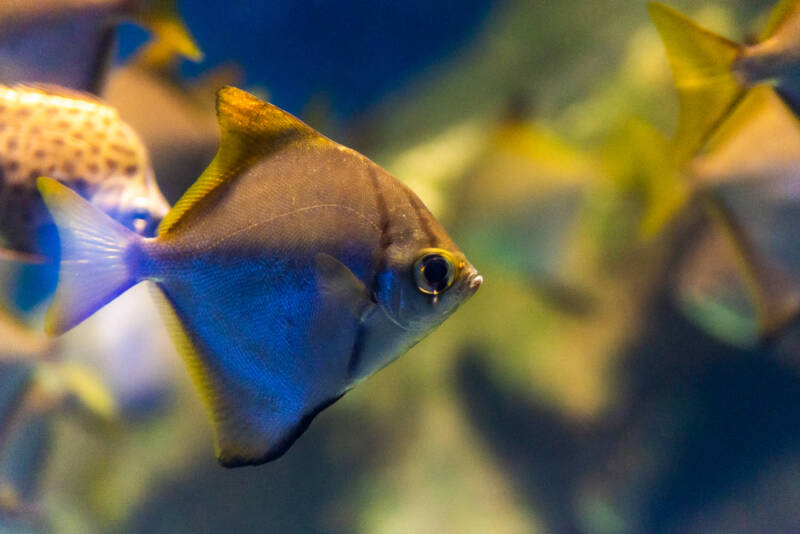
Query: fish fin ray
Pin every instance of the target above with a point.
(701, 63)
(249, 128)
(94, 249)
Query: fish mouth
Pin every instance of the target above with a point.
(474, 281)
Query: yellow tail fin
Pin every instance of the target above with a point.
(701, 64)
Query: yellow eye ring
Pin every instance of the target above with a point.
(434, 272)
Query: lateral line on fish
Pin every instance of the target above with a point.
(288, 213)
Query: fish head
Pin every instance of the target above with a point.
(139, 207)
(420, 286)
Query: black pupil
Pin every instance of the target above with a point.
(435, 272)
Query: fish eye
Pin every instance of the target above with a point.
(139, 219)
(434, 273)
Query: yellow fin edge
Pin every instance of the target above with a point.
(185, 347)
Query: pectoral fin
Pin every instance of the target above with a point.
(337, 282)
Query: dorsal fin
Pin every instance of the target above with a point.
(250, 129)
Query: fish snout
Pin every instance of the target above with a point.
(474, 280)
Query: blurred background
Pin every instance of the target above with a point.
(600, 382)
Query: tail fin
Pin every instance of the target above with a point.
(702, 65)
(94, 250)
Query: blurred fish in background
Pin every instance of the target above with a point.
(71, 43)
(174, 116)
(724, 146)
(83, 143)
(712, 73)
(520, 205)
(751, 164)
(71, 136)
(36, 388)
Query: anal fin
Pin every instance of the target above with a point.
(252, 424)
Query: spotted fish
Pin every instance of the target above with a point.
(291, 270)
(80, 142)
